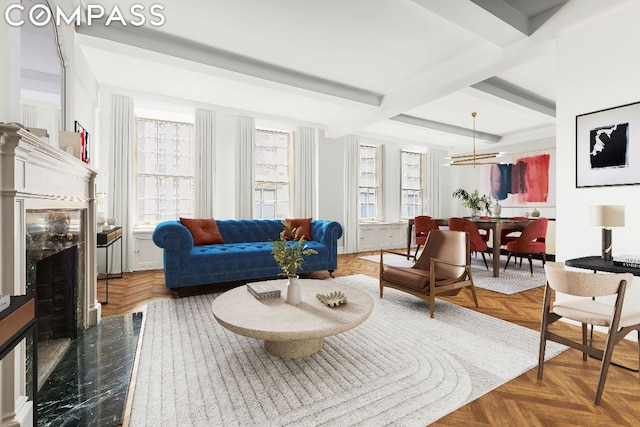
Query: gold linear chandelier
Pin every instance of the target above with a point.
(474, 158)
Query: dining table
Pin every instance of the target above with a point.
(495, 225)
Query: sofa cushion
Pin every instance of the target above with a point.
(304, 224)
(204, 231)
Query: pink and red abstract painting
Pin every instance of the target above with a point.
(527, 180)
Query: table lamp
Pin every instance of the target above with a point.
(607, 216)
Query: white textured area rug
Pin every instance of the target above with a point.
(515, 279)
(399, 367)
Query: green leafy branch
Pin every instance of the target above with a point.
(289, 253)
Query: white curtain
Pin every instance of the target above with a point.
(435, 158)
(121, 174)
(304, 182)
(351, 226)
(205, 162)
(245, 179)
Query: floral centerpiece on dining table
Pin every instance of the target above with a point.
(474, 201)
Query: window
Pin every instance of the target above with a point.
(271, 194)
(411, 191)
(165, 178)
(369, 183)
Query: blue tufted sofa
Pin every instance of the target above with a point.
(244, 255)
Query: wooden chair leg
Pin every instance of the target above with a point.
(584, 340)
(432, 305)
(638, 331)
(544, 325)
(606, 360)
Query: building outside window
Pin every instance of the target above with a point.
(368, 186)
(271, 193)
(411, 191)
(165, 170)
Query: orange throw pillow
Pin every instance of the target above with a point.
(304, 224)
(204, 231)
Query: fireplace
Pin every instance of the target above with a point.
(47, 207)
(55, 241)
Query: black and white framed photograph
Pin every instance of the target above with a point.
(608, 147)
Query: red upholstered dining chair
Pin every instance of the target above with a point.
(476, 242)
(512, 235)
(422, 225)
(530, 242)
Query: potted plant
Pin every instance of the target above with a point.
(289, 253)
(474, 201)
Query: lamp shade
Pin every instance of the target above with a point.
(607, 215)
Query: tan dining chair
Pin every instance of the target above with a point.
(441, 269)
(583, 307)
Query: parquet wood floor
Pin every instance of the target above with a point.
(563, 398)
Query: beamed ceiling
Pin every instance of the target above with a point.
(405, 70)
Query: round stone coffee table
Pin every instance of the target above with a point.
(292, 331)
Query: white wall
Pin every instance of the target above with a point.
(598, 68)
(84, 101)
(331, 179)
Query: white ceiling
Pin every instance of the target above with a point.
(354, 66)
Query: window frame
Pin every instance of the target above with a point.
(258, 202)
(419, 193)
(162, 176)
(377, 187)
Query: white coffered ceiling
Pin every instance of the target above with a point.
(407, 70)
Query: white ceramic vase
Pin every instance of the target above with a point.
(293, 291)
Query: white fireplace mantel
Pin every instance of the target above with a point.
(35, 175)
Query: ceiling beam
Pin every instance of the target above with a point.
(506, 13)
(475, 19)
(512, 93)
(192, 51)
(445, 127)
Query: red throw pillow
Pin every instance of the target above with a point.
(304, 224)
(204, 231)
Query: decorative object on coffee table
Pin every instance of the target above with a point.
(333, 299)
(263, 291)
(289, 253)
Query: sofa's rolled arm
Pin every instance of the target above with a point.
(175, 239)
(326, 232)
